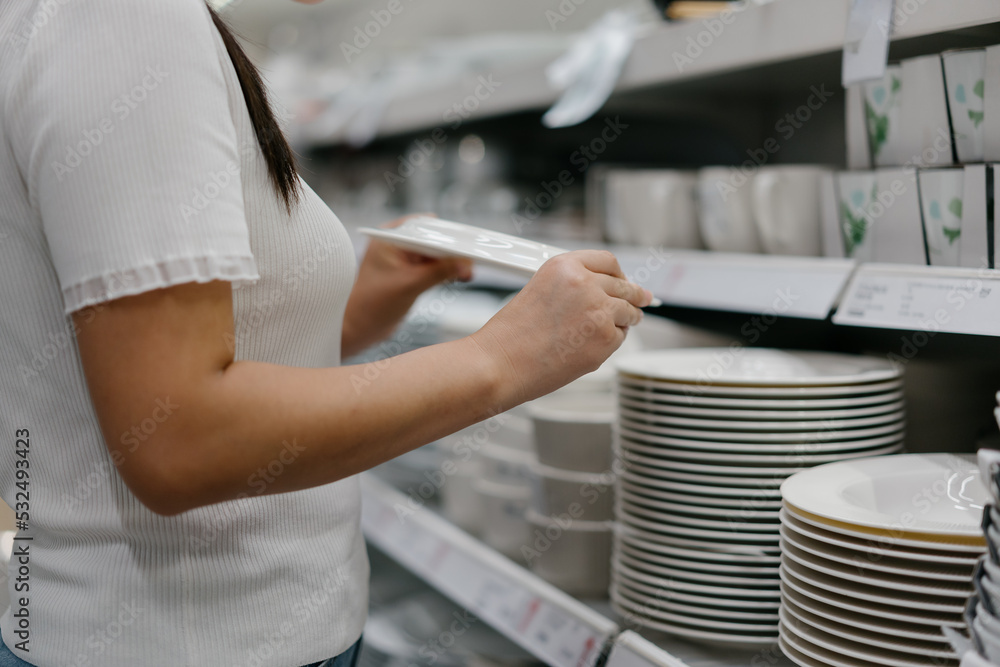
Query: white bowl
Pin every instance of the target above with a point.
(460, 502)
(573, 431)
(583, 496)
(504, 526)
(572, 554)
(506, 465)
(515, 431)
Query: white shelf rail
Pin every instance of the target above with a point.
(551, 625)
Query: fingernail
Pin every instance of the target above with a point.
(649, 296)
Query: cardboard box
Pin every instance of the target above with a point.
(831, 236)
(924, 127)
(974, 251)
(991, 103)
(858, 152)
(899, 235)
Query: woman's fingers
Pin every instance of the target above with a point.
(623, 289)
(600, 261)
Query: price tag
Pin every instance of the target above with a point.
(772, 286)
(866, 41)
(956, 301)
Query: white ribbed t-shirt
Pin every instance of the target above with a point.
(128, 163)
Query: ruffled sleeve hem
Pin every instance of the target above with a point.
(239, 270)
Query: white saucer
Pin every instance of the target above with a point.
(686, 574)
(721, 427)
(727, 638)
(802, 659)
(805, 454)
(861, 561)
(757, 367)
(849, 604)
(672, 444)
(721, 536)
(864, 621)
(632, 593)
(737, 552)
(863, 592)
(879, 493)
(704, 491)
(811, 638)
(679, 514)
(707, 602)
(874, 547)
(874, 392)
(687, 563)
(648, 463)
(744, 485)
(718, 623)
(893, 538)
(763, 524)
(725, 554)
(700, 502)
(629, 399)
(877, 582)
(685, 505)
(719, 591)
(441, 238)
(805, 438)
(862, 637)
(686, 399)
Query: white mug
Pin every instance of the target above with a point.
(965, 79)
(882, 116)
(654, 207)
(787, 208)
(725, 212)
(857, 191)
(941, 203)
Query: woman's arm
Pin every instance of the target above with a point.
(227, 420)
(389, 280)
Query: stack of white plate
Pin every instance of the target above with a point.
(983, 610)
(877, 556)
(706, 436)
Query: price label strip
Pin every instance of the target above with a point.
(965, 301)
(538, 617)
(866, 40)
(768, 285)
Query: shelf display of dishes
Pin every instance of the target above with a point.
(877, 559)
(704, 439)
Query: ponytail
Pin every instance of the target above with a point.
(277, 152)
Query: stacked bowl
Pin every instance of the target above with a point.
(877, 560)
(572, 504)
(705, 438)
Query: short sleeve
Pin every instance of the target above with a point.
(124, 134)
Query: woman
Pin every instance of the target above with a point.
(180, 441)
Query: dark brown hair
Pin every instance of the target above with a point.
(277, 152)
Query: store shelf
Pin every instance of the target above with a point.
(782, 31)
(553, 626)
(884, 296)
(928, 299)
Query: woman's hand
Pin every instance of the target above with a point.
(389, 280)
(566, 322)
